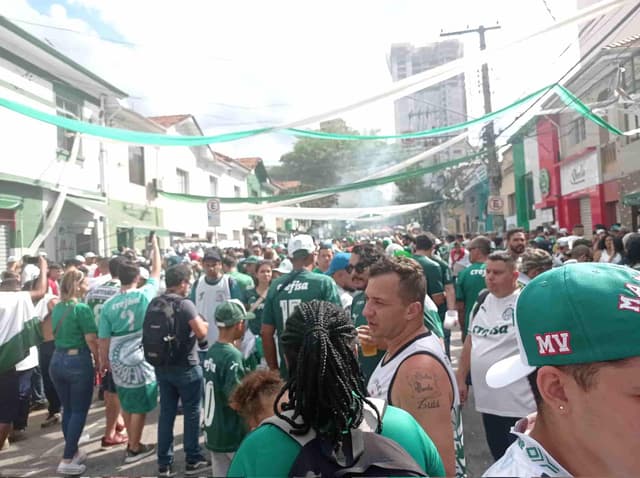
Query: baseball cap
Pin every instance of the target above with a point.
(339, 262)
(285, 267)
(301, 243)
(252, 260)
(80, 258)
(212, 255)
(89, 255)
(231, 312)
(12, 259)
(582, 313)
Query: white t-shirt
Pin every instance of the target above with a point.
(345, 297)
(525, 457)
(32, 360)
(604, 257)
(493, 336)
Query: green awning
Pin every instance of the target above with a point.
(96, 208)
(631, 199)
(8, 201)
(146, 230)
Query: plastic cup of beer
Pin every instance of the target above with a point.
(368, 350)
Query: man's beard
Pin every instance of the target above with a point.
(518, 249)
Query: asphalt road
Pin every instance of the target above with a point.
(39, 452)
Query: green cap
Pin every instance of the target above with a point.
(231, 312)
(574, 314)
(252, 260)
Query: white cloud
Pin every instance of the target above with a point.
(191, 56)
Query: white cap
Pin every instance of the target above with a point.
(301, 242)
(285, 267)
(89, 255)
(12, 259)
(80, 258)
(144, 273)
(563, 241)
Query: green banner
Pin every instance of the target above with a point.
(574, 102)
(332, 190)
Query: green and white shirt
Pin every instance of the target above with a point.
(526, 457)
(97, 296)
(299, 286)
(224, 429)
(19, 328)
(469, 284)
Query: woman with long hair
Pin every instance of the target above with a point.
(255, 302)
(72, 368)
(609, 250)
(326, 394)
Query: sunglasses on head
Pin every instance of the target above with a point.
(360, 267)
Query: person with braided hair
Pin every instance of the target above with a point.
(325, 396)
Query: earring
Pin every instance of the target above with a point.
(562, 407)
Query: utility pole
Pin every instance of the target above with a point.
(493, 168)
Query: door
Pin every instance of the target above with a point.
(585, 216)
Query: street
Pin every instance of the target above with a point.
(39, 453)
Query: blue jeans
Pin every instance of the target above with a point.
(184, 383)
(73, 377)
(24, 397)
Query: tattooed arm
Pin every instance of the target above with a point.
(422, 388)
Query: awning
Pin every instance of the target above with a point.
(8, 201)
(631, 199)
(143, 230)
(97, 208)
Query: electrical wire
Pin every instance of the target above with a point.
(591, 50)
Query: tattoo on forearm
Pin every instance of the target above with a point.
(425, 389)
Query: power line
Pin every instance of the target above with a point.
(546, 5)
(597, 45)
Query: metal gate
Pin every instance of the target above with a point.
(4, 246)
(585, 216)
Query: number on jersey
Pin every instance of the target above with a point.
(287, 307)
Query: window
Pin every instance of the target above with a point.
(236, 191)
(136, 165)
(511, 204)
(183, 181)
(530, 198)
(68, 109)
(213, 186)
(577, 131)
(236, 235)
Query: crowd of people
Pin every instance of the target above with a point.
(332, 357)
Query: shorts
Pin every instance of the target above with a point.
(107, 384)
(140, 399)
(9, 396)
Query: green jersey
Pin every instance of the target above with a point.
(469, 284)
(367, 364)
(252, 297)
(97, 296)
(124, 313)
(78, 321)
(269, 451)
(245, 283)
(223, 370)
(289, 291)
(433, 274)
(446, 280)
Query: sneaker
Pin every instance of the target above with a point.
(196, 467)
(71, 468)
(84, 439)
(118, 439)
(143, 451)
(52, 419)
(6, 445)
(80, 457)
(165, 470)
(38, 406)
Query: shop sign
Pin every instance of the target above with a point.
(580, 174)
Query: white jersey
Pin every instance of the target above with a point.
(385, 373)
(493, 336)
(208, 298)
(525, 457)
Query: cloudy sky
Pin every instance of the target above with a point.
(246, 64)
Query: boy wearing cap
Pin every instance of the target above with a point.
(223, 370)
(325, 254)
(289, 291)
(583, 364)
(338, 272)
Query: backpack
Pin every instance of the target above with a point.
(160, 341)
(366, 453)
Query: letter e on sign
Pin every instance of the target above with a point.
(495, 205)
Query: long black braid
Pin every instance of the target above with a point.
(326, 387)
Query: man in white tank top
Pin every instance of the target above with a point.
(414, 374)
(212, 289)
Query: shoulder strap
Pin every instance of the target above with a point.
(482, 296)
(64, 316)
(369, 423)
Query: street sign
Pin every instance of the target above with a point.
(495, 205)
(213, 212)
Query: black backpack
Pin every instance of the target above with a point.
(482, 296)
(160, 340)
(366, 453)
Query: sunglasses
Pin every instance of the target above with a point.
(360, 267)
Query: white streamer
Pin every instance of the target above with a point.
(345, 214)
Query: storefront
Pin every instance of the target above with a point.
(583, 194)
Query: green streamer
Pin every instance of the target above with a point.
(332, 190)
(574, 102)
(425, 133)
